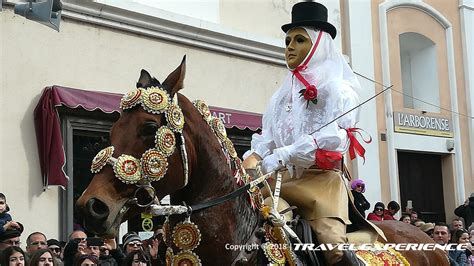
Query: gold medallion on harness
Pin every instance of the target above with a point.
(269, 233)
(155, 100)
(274, 253)
(154, 165)
(169, 257)
(127, 169)
(219, 128)
(229, 147)
(186, 258)
(165, 140)
(186, 235)
(257, 198)
(100, 160)
(131, 99)
(175, 118)
(203, 109)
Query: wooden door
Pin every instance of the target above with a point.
(421, 181)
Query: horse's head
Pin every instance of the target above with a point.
(145, 142)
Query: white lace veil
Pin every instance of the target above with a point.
(335, 81)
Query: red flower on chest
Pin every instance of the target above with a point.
(310, 94)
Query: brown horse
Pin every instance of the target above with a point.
(106, 202)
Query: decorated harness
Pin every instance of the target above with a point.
(153, 165)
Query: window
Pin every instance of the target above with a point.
(419, 72)
(83, 138)
(241, 139)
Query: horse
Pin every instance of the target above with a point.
(197, 173)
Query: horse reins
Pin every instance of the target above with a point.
(164, 210)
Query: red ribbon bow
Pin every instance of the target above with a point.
(355, 146)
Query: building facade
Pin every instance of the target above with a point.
(422, 128)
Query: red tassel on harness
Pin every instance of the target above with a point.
(355, 146)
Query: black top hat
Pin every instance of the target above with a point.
(310, 14)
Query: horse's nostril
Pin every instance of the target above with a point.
(97, 209)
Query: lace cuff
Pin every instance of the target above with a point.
(261, 145)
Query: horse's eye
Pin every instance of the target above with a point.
(149, 129)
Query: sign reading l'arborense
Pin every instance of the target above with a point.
(422, 124)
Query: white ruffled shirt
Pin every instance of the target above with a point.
(289, 123)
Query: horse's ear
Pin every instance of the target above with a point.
(174, 82)
(145, 79)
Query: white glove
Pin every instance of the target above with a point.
(271, 163)
(301, 154)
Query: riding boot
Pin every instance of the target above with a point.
(349, 258)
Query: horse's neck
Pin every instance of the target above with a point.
(210, 175)
(211, 178)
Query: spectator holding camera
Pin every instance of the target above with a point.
(93, 246)
(151, 247)
(466, 211)
(110, 255)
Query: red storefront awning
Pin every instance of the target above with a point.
(48, 129)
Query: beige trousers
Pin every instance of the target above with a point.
(317, 194)
(322, 199)
(330, 231)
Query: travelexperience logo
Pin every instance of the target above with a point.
(354, 247)
(377, 246)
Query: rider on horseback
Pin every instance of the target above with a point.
(300, 133)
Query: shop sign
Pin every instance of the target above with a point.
(422, 124)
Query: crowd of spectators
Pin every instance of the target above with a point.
(79, 250)
(457, 232)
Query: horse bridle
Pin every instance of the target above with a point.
(153, 164)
